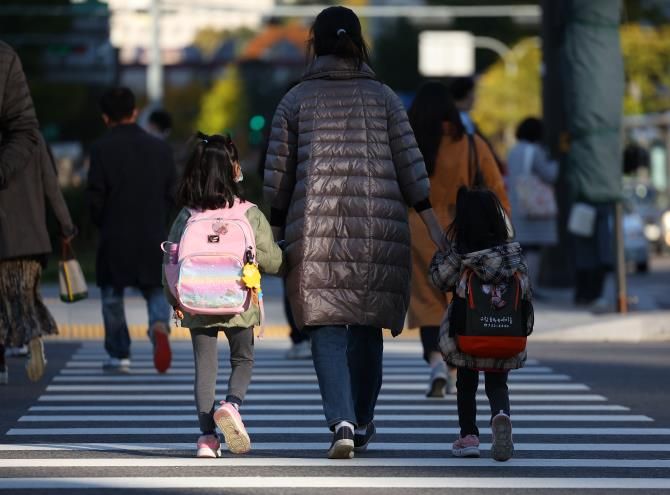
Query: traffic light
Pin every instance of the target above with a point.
(256, 126)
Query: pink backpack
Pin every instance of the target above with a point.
(204, 271)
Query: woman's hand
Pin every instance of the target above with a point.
(434, 229)
(439, 237)
(278, 233)
(67, 239)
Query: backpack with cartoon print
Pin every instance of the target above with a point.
(492, 320)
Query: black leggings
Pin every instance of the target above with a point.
(429, 341)
(466, 395)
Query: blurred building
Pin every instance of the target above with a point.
(83, 55)
(180, 22)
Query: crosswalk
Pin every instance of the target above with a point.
(92, 430)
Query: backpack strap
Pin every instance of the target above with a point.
(517, 293)
(468, 273)
(528, 155)
(261, 333)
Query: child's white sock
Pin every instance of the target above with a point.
(344, 423)
(361, 430)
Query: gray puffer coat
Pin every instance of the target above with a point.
(342, 168)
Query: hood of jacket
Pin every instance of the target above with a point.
(497, 263)
(332, 67)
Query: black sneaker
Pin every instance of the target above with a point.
(343, 444)
(361, 441)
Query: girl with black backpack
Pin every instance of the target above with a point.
(489, 318)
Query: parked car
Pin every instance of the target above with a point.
(664, 233)
(645, 200)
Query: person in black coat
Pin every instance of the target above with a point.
(28, 185)
(130, 191)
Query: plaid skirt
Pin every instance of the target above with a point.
(23, 315)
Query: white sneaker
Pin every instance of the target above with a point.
(302, 350)
(17, 351)
(115, 365)
(438, 380)
(4, 376)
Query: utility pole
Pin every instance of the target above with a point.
(557, 267)
(155, 68)
(583, 89)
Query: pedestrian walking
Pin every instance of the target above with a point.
(452, 159)
(28, 181)
(130, 191)
(534, 228)
(210, 190)
(342, 167)
(463, 91)
(159, 124)
(479, 246)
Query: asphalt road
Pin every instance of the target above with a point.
(585, 415)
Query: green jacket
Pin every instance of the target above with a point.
(268, 255)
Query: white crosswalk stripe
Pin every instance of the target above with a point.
(567, 436)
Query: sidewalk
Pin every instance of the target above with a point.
(556, 319)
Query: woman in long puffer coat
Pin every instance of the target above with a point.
(342, 169)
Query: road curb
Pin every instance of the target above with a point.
(635, 327)
(138, 332)
(97, 332)
(641, 327)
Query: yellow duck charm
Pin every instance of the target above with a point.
(251, 277)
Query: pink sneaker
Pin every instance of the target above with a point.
(467, 446)
(208, 446)
(229, 421)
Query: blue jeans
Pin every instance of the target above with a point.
(348, 363)
(117, 338)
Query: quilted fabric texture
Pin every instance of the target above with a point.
(342, 168)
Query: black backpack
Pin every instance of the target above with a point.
(492, 320)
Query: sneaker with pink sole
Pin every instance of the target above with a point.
(467, 446)
(229, 421)
(208, 447)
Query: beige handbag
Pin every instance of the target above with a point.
(536, 199)
(582, 220)
(70, 276)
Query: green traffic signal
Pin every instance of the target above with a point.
(256, 123)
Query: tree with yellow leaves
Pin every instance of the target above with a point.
(505, 96)
(509, 91)
(224, 107)
(646, 53)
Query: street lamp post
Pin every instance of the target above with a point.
(155, 69)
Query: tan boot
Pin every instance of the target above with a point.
(37, 361)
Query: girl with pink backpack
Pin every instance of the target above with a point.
(216, 249)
